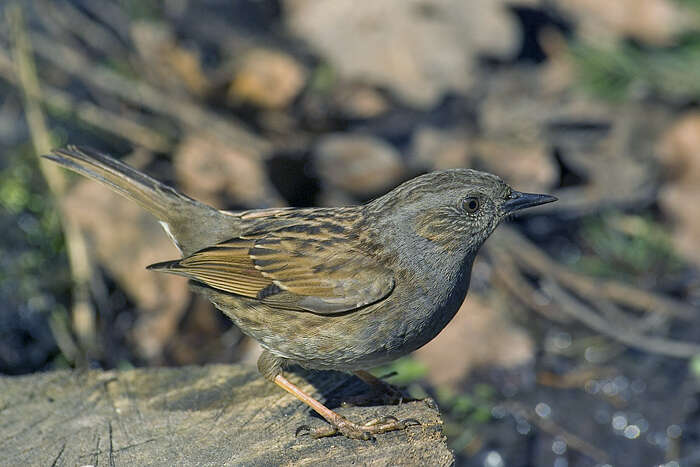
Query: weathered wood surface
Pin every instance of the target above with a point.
(213, 415)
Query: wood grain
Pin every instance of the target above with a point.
(213, 415)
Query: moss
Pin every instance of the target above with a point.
(631, 246)
(33, 264)
(625, 70)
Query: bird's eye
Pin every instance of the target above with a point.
(471, 205)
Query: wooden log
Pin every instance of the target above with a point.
(212, 415)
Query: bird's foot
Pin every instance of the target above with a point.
(343, 426)
(339, 425)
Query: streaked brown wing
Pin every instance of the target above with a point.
(291, 271)
(226, 266)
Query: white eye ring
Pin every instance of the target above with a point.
(470, 205)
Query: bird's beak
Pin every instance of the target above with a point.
(518, 201)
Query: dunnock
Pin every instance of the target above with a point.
(345, 288)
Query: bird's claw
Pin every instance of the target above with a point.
(363, 432)
(410, 422)
(430, 403)
(384, 419)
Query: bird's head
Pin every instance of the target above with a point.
(456, 208)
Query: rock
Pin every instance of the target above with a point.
(519, 105)
(358, 164)
(267, 78)
(484, 337)
(434, 149)
(358, 101)
(168, 63)
(211, 172)
(428, 48)
(528, 166)
(609, 148)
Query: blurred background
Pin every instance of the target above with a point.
(579, 344)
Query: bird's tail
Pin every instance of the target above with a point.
(192, 225)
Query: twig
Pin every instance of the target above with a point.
(576, 309)
(110, 13)
(74, 21)
(155, 65)
(649, 322)
(626, 330)
(82, 313)
(532, 258)
(142, 94)
(578, 201)
(613, 313)
(512, 279)
(574, 379)
(140, 135)
(548, 426)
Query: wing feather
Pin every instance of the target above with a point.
(317, 272)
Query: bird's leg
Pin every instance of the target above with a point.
(270, 366)
(383, 392)
(340, 424)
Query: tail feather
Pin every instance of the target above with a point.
(191, 224)
(152, 195)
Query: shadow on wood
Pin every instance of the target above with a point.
(213, 415)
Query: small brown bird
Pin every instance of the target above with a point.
(345, 288)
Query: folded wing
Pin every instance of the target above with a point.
(315, 273)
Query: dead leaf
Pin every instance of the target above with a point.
(126, 239)
(679, 152)
(267, 78)
(211, 172)
(426, 49)
(679, 148)
(529, 166)
(168, 63)
(434, 149)
(559, 71)
(358, 164)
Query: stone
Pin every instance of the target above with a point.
(358, 164)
